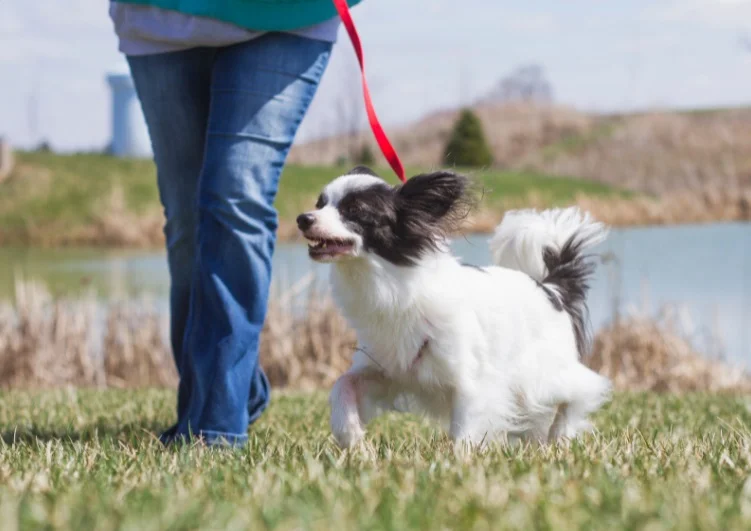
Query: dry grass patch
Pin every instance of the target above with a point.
(47, 342)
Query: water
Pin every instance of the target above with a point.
(702, 272)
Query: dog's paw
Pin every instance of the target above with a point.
(578, 428)
(348, 435)
(569, 430)
(464, 449)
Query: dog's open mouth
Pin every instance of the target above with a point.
(320, 248)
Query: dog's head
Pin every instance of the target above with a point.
(359, 214)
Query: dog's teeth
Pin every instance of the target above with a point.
(323, 245)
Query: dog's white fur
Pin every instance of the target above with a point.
(487, 353)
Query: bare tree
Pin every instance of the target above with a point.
(526, 83)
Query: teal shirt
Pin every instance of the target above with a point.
(260, 15)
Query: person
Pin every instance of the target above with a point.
(223, 87)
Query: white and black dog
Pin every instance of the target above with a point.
(493, 352)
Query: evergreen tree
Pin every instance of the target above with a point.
(467, 145)
(365, 156)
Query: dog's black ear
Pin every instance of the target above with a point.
(439, 198)
(362, 170)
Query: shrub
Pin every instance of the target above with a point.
(467, 145)
(365, 156)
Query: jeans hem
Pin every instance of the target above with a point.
(207, 437)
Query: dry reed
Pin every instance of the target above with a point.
(708, 205)
(305, 352)
(134, 346)
(47, 342)
(513, 132)
(640, 354)
(712, 204)
(658, 153)
(692, 167)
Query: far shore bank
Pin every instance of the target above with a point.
(52, 200)
(121, 229)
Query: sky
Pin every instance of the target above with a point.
(422, 55)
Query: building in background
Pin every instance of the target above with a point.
(130, 137)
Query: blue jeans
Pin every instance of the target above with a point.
(221, 122)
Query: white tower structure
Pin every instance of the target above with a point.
(130, 137)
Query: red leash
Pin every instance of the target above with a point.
(380, 135)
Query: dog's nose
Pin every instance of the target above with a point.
(305, 221)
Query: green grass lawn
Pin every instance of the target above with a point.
(89, 460)
(51, 195)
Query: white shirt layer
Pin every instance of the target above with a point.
(144, 30)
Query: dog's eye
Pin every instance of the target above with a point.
(322, 200)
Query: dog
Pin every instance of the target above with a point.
(494, 353)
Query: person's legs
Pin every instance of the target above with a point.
(260, 92)
(175, 90)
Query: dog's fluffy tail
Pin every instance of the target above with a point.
(550, 246)
(537, 243)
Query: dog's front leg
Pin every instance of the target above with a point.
(346, 424)
(358, 396)
(468, 426)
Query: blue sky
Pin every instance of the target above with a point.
(422, 55)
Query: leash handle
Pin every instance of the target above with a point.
(380, 135)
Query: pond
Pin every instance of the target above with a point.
(701, 272)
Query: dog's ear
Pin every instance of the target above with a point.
(362, 170)
(441, 198)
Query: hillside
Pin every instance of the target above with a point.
(655, 153)
(89, 199)
(653, 168)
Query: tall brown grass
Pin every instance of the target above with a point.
(686, 167)
(659, 152)
(709, 204)
(656, 153)
(513, 132)
(712, 204)
(640, 354)
(47, 342)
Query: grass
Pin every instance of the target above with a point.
(70, 189)
(55, 199)
(89, 460)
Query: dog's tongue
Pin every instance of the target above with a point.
(330, 246)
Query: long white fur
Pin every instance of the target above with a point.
(520, 240)
(501, 362)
